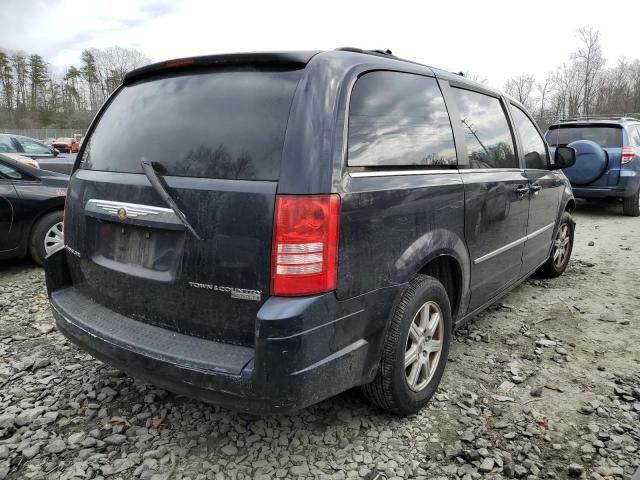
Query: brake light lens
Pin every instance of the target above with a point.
(305, 244)
(628, 154)
(179, 62)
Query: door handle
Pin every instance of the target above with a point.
(522, 190)
(535, 188)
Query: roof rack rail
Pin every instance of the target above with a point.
(602, 116)
(386, 53)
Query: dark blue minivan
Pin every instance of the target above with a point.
(263, 231)
(608, 157)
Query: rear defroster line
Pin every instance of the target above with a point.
(159, 186)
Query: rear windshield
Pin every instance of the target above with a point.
(228, 124)
(607, 136)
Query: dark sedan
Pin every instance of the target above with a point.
(48, 157)
(31, 210)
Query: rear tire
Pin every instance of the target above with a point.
(46, 236)
(561, 250)
(631, 205)
(415, 351)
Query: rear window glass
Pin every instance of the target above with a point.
(225, 124)
(605, 136)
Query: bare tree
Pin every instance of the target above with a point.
(6, 80)
(19, 63)
(634, 87)
(569, 90)
(521, 88)
(113, 63)
(545, 90)
(589, 61)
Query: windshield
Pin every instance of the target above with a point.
(607, 136)
(228, 124)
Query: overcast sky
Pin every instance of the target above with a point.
(493, 39)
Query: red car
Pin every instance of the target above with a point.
(66, 145)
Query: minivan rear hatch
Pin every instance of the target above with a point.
(214, 136)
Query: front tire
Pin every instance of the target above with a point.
(561, 250)
(46, 236)
(631, 205)
(415, 351)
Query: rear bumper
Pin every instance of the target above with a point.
(628, 185)
(598, 192)
(306, 349)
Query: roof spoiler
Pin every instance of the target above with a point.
(275, 60)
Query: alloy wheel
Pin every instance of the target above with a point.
(561, 245)
(424, 346)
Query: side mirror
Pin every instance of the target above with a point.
(564, 157)
(55, 151)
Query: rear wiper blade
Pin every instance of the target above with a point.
(158, 184)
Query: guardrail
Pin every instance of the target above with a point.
(44, 133)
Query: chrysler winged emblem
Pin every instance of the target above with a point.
(130, 211)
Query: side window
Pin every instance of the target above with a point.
(533, 147)
(486, 130)
(399, 120)
(10, 173)
(33, 147)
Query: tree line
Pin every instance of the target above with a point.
(33, 95)
(580, 86)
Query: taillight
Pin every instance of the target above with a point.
(628, 154)
(305, 244)
(179, 62)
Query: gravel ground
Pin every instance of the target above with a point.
(544, 384)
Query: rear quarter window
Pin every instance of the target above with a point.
(224, 124)
(399, 120)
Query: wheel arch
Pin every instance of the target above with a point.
(446, 269)
(570, 206)
(443, 255)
